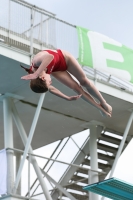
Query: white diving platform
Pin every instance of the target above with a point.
(112, 188)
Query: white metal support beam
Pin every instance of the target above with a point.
(41, 26)
(18, 161)
(96, 128)
(93, 176)
(9, 18)
(8, 135)
(33, 160)
(58, 185)
(31, 31)
(27, 146)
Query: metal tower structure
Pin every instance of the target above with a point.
(27, 30)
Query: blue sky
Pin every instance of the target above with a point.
(109, 17)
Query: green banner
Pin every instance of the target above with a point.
(101, 52)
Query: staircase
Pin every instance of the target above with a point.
(73, 180)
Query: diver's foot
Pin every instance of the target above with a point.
(104, 114)
(107, 107)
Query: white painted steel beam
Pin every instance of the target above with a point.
(58, 186)
(8, 139)
(33, 160)
(18, 161)
(12, 96)
(27, 146)
(15, 54)
(93, 176)
(31, 32)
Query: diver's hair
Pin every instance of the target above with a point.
(38, 85)
(26, 69)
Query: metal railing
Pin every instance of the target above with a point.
(29, 155)
(28, 27)
(108, 79)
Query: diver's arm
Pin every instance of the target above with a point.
(47, 59)
(58, 93)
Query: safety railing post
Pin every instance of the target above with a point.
(29, 162)
(31, 32)
(9, 19)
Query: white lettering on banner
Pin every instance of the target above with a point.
(100, 54)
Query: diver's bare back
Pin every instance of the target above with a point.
(38, 58)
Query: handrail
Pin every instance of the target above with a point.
(73, 165)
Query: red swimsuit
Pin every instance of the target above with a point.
(57, 64)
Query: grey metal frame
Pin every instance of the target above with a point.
(8, 136)
(10, 110)
(46, 175)
(27, 145)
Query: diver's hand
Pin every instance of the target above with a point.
(72, 98)
(29, 76)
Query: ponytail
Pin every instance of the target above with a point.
(26, 69)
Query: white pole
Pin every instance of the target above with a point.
(9, 19)
(8, 139)
(18, 161)
(33, 160)
(41, 31)
(93, 176)
(33, 126)
(29, 162)
(31, 33)
(47, 35)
